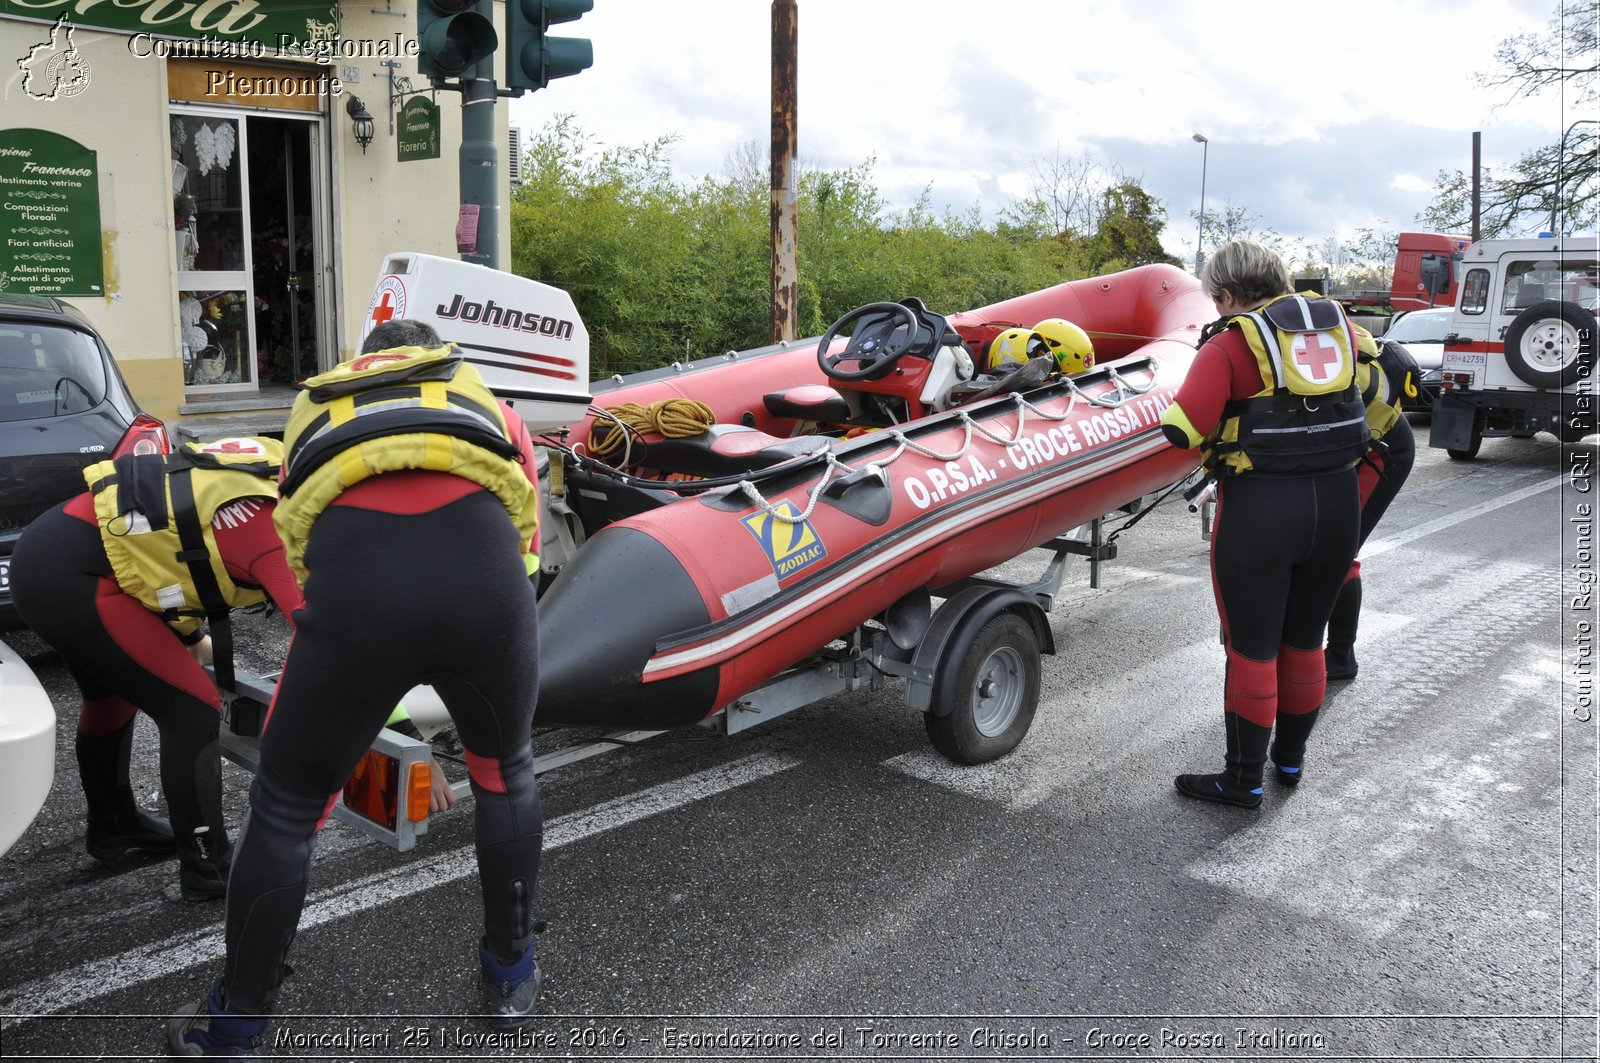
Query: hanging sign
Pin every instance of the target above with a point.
(418, 134)
(49, 215)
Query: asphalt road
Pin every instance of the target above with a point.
(826, 886)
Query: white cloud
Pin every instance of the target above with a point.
(1317, 115)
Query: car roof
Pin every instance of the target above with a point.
(42, 307)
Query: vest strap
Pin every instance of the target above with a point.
(195, 555)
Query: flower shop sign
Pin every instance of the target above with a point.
(418, 135)
(50, 203)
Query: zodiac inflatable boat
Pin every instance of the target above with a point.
(735, 536)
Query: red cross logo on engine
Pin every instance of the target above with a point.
(1316, 354)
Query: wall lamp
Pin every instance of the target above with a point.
(362, 121)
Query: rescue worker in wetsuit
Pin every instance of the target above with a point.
(118, 580)
(1386, 374)
(1271, 399)
(410, 509)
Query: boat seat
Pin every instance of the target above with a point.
(809, 402)
(727, 450)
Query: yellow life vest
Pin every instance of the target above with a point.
(154, 513)
(404, 408)
(1386, 374)
(1307, 418)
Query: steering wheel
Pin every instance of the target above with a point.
(883, 333)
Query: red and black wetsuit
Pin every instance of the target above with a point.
(124, 657)
(1280, 549)
(415, 578)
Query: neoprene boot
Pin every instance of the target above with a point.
(117, 825)
(1289, 744)
(204, 861)
(1239, 782)
(1340, 655)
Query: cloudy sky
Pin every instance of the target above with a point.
(1321, 118)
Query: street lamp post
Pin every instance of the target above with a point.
(1199, 240)
(1561, 155)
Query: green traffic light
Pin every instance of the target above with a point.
(451, 39)
(562, 10)
(556, 57)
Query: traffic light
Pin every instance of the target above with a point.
(452, 35)
(533, 59)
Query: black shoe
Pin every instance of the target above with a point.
(1217, 788)
(208, 1029)
(203, 872)
(1286, 776)
(200, 886)
(1341, 662)
(509, 991)
(129, 829)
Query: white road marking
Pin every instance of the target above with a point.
(1382, 546)
(70, 990)
(1036, 769)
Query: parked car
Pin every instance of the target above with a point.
(63, 407)
(1422, 332)
(27, 746)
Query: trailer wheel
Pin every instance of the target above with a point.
(1550, 344)
(991, 695)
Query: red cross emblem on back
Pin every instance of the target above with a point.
(233, 446)
(1317, 355)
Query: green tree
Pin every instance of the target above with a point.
(663, 271)
(1558, 182)
(1129, 230)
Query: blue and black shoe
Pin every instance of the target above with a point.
(509, 990)
(208, 1028)
(1217, 788)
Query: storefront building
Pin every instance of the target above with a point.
(189, 175)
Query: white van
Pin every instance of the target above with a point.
(1519, 357)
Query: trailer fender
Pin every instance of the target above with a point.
(956, 624)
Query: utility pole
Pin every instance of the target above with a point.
(785, 190)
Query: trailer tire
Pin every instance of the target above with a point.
(1551, 344)
(985, 704)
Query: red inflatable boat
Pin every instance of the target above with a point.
(808, 521)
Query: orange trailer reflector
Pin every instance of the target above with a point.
(418, 791)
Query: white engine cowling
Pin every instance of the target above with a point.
(525, 337)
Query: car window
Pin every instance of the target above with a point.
(47, 371)
(1567, 279)
(1420, 327)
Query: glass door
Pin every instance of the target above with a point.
(211, 218)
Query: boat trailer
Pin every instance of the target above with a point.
(971, 666)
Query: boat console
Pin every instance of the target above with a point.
(899, 361)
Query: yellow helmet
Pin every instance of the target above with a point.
(1070, 345)
(1014, 347)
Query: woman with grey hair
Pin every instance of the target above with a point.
(1271, 400)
